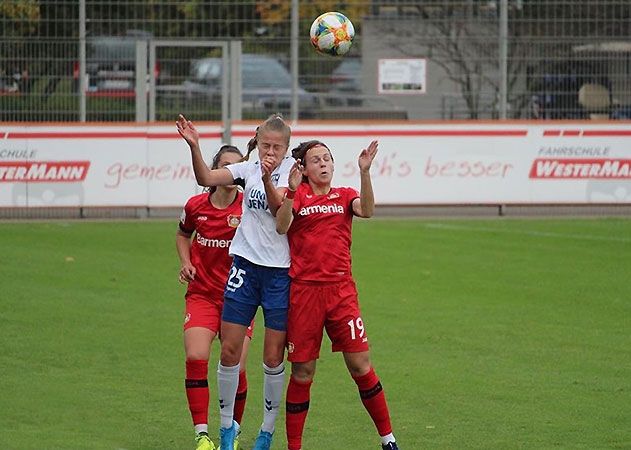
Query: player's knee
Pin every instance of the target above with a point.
(303, 373)
(196, 355)
(272, 359)
(230, 354)
(358, 363)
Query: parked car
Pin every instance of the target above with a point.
(345, 81)
(266, 85)
(555, 85)
(111, 64)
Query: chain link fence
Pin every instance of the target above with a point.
(470, 59)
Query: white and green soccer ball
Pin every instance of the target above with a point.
(332, 34)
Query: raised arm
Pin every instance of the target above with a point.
(203, 175)
(365, 205)
(284, 215)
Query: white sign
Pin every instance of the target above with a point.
(417, 164)
(402, 76)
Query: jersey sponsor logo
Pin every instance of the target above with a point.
(234, 221)
(321, 209)
(216, 243)
(202, 218)
(257, 200)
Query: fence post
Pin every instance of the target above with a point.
(141, 81)
(503, 57)
(82, 59)
(294, 59)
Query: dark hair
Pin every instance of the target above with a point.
(215, 163)
(275, 122)
(299, 152)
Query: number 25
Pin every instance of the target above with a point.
(235, 281)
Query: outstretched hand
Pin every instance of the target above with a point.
(367, 156)
(187, 130)
(295, 175)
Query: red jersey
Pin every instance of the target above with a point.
(214, 229)
(320, 234)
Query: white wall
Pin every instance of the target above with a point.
(446, 163)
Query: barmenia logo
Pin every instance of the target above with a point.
(43, 171)
(562, 168)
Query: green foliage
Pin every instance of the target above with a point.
(488, 334)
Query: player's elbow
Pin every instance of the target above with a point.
(281, 228)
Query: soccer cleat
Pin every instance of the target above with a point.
(203, 442)
(227, 437)
(236, 438)
(389, 446)
(263, 441)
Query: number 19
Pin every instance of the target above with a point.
(356, 324)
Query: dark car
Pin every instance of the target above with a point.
(111, 64)
(345, 83)
(266, 85)
(555, 86)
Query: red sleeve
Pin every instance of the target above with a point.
(187, 224)
(351, 195)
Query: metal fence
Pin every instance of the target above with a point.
(477, 59)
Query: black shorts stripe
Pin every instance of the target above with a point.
(196, 384)
(370, 393)
(296, 408)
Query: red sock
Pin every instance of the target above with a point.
(374, 401)
(242, 394)
(197, 390)
(297, 407)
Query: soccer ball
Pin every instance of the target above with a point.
(332, 34)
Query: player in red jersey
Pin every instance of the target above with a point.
(317, 219)
(213, 218)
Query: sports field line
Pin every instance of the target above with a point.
(585, 237)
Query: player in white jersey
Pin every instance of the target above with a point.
(259, 272)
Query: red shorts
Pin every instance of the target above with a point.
(205, 312)
(314, 307)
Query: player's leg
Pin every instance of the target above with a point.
(200, 328)
(372, 395)
(348, 335)
(232, 336)
(275, 303)
(297, 401)
(242, 388)
(305, 326)
(241, 301)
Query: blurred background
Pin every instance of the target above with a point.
(111, 60)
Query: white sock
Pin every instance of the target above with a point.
(227, 383)
(387, 438)
(201, 428)
(273, 388)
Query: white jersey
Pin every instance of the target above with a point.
(256, 238)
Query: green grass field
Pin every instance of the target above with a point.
(489, 334)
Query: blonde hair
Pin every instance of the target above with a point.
(274, 123)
